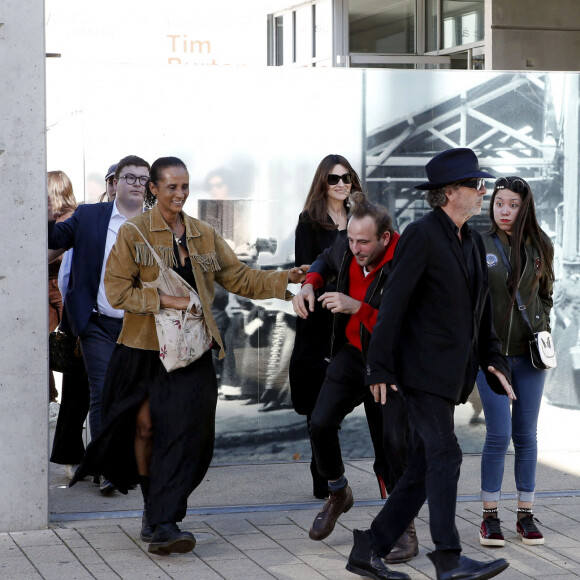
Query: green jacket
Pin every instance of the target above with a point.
(510, 326)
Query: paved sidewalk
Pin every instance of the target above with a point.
(274, 544)
(251, 523)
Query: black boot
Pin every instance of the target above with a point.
(147, 530)
(169, 538)
(364, 562)
(450, 565)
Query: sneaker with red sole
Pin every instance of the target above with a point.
(490, 533)
(528, 531)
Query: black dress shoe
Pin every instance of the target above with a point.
(147, 530)
(467, 569)
(364, 562)
(169, 538)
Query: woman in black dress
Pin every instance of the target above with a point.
(159, 426)
(323, 218)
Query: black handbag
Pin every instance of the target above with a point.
(64, 353)
(542, 350)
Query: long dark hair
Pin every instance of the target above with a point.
(526, 226)
(315, 204)
(155, 175)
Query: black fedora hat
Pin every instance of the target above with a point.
(451, 166)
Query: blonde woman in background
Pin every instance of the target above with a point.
(68, 447)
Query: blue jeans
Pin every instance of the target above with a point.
(98, 341)
(520, 426)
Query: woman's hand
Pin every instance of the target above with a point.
(177, 302)
(297, 275)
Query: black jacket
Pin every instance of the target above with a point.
(334, 264)
(433, 330)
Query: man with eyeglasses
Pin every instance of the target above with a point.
(434, 329)
(92, 231)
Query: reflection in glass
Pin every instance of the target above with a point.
(304, 37)
(382, 27)
(462, 22)
(323, 33)
(284, 39)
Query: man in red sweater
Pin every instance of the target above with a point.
(361, 264)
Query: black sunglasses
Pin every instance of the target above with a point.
(474, 183)
(333, 178)
(516, 185)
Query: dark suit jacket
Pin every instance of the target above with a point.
(432, 331)
(86, 232)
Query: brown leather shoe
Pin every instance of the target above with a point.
(407, 547)
(339, 502)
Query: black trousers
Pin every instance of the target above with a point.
(68, 446)
(344, 389)
(432, 473)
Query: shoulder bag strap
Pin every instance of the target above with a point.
(521, 305)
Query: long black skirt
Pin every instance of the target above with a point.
(182, 405)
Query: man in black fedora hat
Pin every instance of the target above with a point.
(433, 331)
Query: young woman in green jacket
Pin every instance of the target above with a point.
(530, 254)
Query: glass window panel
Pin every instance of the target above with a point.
(288, 43)
(377, 26)
(431, 9)
(462, 22)
(304, 34)
(323, 30)
(279, 41)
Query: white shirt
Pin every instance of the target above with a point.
(64, 273)
(115, 223)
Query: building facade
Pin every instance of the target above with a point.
(426, 34)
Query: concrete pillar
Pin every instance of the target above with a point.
(23, 269)
(532, 35)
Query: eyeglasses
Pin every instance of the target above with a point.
(132, 179)
(516, 185)
(474, 183)
(333, 178)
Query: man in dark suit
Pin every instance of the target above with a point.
(433, 331)
(92, 231)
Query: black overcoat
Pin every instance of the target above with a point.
(433, 331)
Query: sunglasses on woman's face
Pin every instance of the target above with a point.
(516, 185)
(333, 178)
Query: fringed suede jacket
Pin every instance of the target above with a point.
(212, 260)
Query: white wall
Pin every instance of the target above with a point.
(533, 35)
(23, 270)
